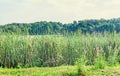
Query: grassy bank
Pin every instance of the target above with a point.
(60, 71)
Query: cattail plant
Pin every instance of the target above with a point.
(52, 50)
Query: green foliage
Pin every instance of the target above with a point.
(100, 63)
(81, 65)
(54, 50)
(45, 28)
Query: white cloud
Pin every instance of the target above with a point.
(56, 10)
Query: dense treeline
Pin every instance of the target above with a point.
(43, 27)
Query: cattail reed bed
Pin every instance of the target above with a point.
(48, 50)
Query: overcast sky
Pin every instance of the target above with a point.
(57, 10)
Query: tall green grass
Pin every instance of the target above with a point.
(51, 50)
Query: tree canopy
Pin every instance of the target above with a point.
(44, 27)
